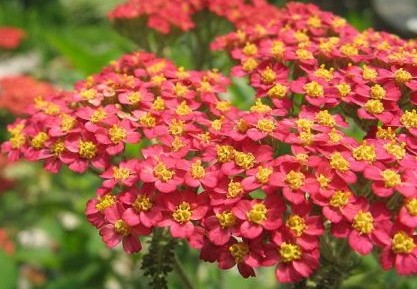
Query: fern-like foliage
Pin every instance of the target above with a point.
(158, 261)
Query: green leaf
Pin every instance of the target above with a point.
(8, 271)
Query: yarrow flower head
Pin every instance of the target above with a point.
(262, 187)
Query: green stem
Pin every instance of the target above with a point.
(181, 274)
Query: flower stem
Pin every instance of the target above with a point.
(181, 274)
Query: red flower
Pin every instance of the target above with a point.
(367, 226)
(11, 37)
(181, 209)
(401, 252)
(294, 262)
(258, 216)
(117, 230)
(142, 206)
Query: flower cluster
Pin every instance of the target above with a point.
(18, 92)
(163, 16)
(249, 188)
(10, 37)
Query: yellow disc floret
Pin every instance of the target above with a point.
(226, 219)
(296, 224)
(339, 163)
(391, 178)
(363, 222)
(290, 252)
(257, 214)
(402, 243)
(295, 180)
(182, 213)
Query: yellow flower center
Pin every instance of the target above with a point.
(378, 92)
(409, 119)
(278, 91)
(177, 144)
(322, 72)
(323, 181)
(234, 190)
(156, 67)
(338, 22)
(226, 219)
(88, 94)
(304, 124)
(314, 21)
(142, 204)
(314, 89)
(301, 36)
(249, 65)
(205, 86)
(87, 149)
(374, 106)
(296, 224)
(158, 104)
(402, 243)
(278, 49)
(402, 76)
(121, 174)
(239, 251)
(39, 140)
(306, 137)
(295, 180)
(339, 199)
(349, 50)
(183, 109)
(304, 54)
(290, 252)
(67, 122)
(397, 150)
(260, 107)
(117, 134)
(176, 127)
(250, 49)
(182, 213)
(147, 120)
(411, 206)
(105, 202)
(98, 115)
(157, 80)
(325, 118)
(363, 222)
(217, 123)
(58, 147)
(369, 73)
(387, 133)
(262, 175)
(339, 163)
(121, 228)
(180, 90)
(391, 178)
(225, 153)
(162, 173)
(223, 105)
(265, 125)
(242, 126)
(197, 170)
(257, 214)
(364, 152)
(344, 89)
(244, 160)
(268, 75)
(134, 97)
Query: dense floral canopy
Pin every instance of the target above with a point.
(248, 188)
